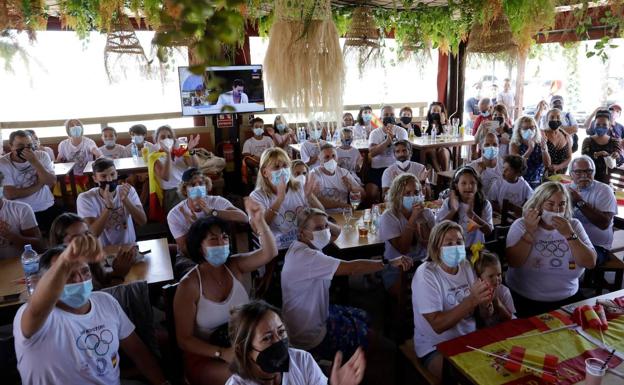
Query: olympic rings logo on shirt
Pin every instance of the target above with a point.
(99, 344)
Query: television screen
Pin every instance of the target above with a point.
(241, 90)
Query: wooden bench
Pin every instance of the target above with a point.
(407, 349)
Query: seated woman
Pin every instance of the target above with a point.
(504, 129)
(207, 293)
(263, 356)
(527, 142)
(405, 225)
(281, 134)
(547, 251)
(468, 206)
(602, 145)
(445, 295)
(363, 127)
(313, 323)
(438, 158)
(347, 119)
(299, 171)
(559, 143)
(68, 226)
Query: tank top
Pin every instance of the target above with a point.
(210, 315)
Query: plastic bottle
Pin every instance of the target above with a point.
(135, 151)
(30, 264)
(412, 134)
(374, 219)
(434, 132)
(336, 137)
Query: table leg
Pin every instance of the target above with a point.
(72, 182)
(422, 156)
(66, 199)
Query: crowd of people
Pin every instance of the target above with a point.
(227, 336)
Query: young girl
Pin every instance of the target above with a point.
(79, 149)
(467, 206)
(311, 148)
(111, 149)
(349, 157)
(489, 166)
(502, 308)
(347, 120)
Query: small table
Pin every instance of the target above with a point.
(122, 165)
(361, 145)
(61, 170)
(453, 143)
(349, 243)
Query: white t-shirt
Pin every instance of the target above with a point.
(74, 348)
(386, 158)
(80, 154)
(434, 290)
(490, 175)
(504, 295)
(284, 225)
(332, 187)
(348, 158)
(23, 175)
(475, 235)
(256, 147)
(181, 217)
(119, 229)
(393, 171)
(601, 197)
(306, 278)
(506, 98)
(310, 150)
(549, 274)
(391, 226)
(516, 193)
(303, 370)
(227, 99)
(128, 148)
(48, 151)
(18, 216)
(178, 166)
(361, 132)
(118, 151)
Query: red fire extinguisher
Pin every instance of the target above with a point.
(228, 153)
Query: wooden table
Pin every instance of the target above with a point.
(350, 245)
(454, 373)
(123, 165)
(61, 170)
(453, 143)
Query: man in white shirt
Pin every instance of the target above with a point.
(594, 205)
(29, 178)
(66, 335)
(403, 153)
(236, 96)
(506, 98)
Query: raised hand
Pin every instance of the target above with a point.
(29, 154)
(193, 142)
(531, 220)
(83, 248)
(480, 293)
(311, 185)
(124, 260)
(124, 190)
(563, 226)
(107, 196)
(254, 210)
(352, 372)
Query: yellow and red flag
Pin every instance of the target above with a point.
(526, 360)
(375, 121)
(156, 194)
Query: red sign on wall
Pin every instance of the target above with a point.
(225, 120)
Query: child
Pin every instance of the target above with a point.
(467, 206)
(299, 171)
(488, 166)
(349, 157)
(110, 148)
(79, 149)
(37, 144)
(501, 309)
(255, 146)
(512, 187)
(138, 132)
(311, 148)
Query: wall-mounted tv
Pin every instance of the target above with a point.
(241, 90)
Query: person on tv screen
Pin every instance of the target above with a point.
(236, 96)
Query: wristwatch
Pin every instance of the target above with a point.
(572, 237)
(581, 204)
(214, 213)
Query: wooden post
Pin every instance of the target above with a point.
(522, 58)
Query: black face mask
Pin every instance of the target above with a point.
(500, 120)
(406, 119)
(554, 124)
(389, 120)
(435, 116)
(275, 358)
(112, 185)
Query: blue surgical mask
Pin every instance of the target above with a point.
(527, 134)
(281, 127)
(75, 131)
(258, 131)
(315, 134)
(410, 201)
(277, 175)
(452, 256)
(367, 117)
(601, 130)
(195, 192)
(109, 142)
(217, 255)
(490, 152)
(485, 113)
(138, 139)
(76, 294)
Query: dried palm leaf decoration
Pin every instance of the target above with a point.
(303, 66)
(123, 50)
(492, 38)
(363, 37)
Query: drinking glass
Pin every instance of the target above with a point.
(594, 371)
(424, 124)
(347, 212)
(355, 198)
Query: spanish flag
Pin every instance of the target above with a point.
(527, 360)
(591, 317)
(375, 121)
(156, 194)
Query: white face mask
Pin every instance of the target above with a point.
(547, 216)
(168, 142)
(330, 165)
(320, 238)
(403, 165)
(301, 179)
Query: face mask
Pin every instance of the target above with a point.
(168, 142)
(403, 164)
(275, 358)
(410, 201)
(367, 118)
(301, 179)
(389, 120)
(500, 120)
(195, 192)
(547, 216)
(109, 142)
(485, 114)
(217, 255)
(281, 127)
(258, 131)
(112, 185)
(558, 106)
(435, 116)
(554, 124)
(278, 175)
(330, 165)
(137, 139)
(490, 152)
(601, 130)
(452, 256)
(320, 238)
(406, 119)
(76, 295)
(527, 134)
(315, 134)
(347, 142)
(75, 131)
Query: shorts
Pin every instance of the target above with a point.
(427, 358)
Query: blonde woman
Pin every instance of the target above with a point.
(281, 196)
(445, 295)
(406, 225)
(281, 134)
(527, 142)
(547, 251)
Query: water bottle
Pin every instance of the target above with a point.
(336, 137)
(30, 263)
(302, 135)
(135, 151)
(412, 134)
(375, 220)
(434, 132)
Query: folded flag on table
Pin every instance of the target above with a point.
(591, 317)
(534, 362)
(376, 122)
